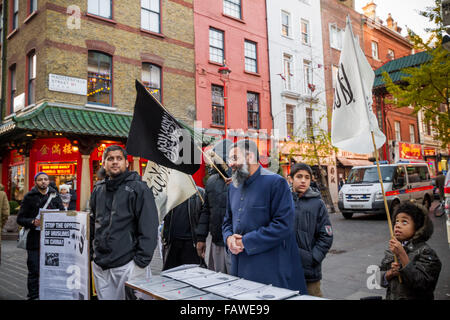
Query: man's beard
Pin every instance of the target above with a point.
(239, 175)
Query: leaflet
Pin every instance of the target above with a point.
(266, 293)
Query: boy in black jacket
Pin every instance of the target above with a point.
(418, 264)
(313, 228)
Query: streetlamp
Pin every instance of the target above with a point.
(224, 76)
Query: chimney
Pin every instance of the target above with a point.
(370, 10)
(390, 22)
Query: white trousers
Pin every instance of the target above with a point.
(110, 283)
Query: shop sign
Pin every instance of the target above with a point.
(429, 151)
(16, 158)
(66, 84)
(19, 102)
(410, 151)
(57, 169)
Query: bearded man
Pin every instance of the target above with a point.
(258, 226)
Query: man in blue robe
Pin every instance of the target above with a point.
(258, 224)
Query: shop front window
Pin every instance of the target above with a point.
(59, 172)
(17, 183)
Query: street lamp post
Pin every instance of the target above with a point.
(224, 76)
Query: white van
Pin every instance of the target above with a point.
(402, 182)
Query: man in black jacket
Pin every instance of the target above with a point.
(29, 209)
(178, 234)
(211, 220)
(313, 227)
(123, 225)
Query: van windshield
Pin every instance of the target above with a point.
(370, 175)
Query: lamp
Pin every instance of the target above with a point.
(224, 72)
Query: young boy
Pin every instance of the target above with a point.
(312, 224)
(418, 265)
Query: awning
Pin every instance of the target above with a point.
(354, 162)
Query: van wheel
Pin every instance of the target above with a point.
(427, 202)
(347, 215)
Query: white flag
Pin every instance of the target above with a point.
(170, 187)
(353, 118)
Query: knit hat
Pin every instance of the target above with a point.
(38, 174)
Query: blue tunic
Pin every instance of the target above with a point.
(262, 211)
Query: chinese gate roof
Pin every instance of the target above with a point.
(75, 121)
(80, 121)
(395, 67)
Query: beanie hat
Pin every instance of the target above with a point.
(38, 174)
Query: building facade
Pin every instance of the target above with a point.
(232, 70)
(71, 70)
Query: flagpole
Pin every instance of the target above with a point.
(195, 186)
(380, 178)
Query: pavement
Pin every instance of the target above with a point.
(347, 270)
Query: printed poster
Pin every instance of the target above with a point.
(64, 256)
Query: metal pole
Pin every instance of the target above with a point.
(4, 34)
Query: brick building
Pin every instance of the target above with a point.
(70, 82)
(233, 33)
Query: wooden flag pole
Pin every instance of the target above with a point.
(386, 207)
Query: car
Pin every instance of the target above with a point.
(401, 181)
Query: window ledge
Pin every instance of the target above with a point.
(93, 16)
(152, 33)
(256, 74)
(12, 33)
(31, 16)
(100, 107)
(215, 63)
(218, 126)
(233, 18)
(287, 37)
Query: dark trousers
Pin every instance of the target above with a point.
(180, 252)
(33, 274)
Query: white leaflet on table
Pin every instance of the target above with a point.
(266, 293)
(233, 288)
(210, 280)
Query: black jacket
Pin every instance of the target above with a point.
(313, 232)
(188, 211)
(29, 209)
(128, 229)
(420, 275)
(211, 217)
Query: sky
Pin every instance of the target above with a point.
(402, 11)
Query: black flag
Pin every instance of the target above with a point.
(157, 136)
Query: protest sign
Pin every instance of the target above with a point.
(64, 255)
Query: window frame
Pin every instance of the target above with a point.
(398, 131)
(308, 32)
(110, 105)
(111, 5)
(12, 70)
(287, 27)
(232, 3)
(148, 87)
(31, 69)
(309, 121)
(218, 31)
(218, 107)
(288, 77)
(307, 73)
(338, 32)
(412, 133)
(289, 124)
(150, 13)
(375, 53)
(251, 113)
(255, 59)
(32, 6)
(14, 21)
